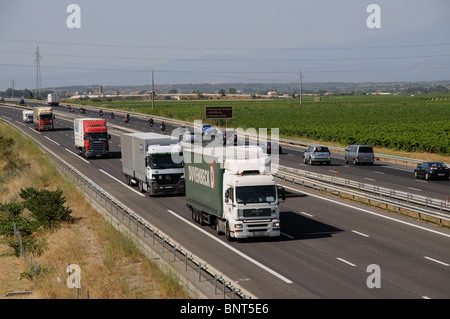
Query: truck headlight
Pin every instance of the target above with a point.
(276, 225)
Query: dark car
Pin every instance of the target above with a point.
(429, 170)
(271, 147)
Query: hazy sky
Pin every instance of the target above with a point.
(119, 39)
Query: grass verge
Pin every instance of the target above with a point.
(111, 266)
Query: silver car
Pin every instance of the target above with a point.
(359, 154)
(317, 154)
(189, 136)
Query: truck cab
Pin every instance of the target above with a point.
(251, 201)
(165, 173)
(91, 137)
(43, 118)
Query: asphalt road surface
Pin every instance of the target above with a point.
(329, 248)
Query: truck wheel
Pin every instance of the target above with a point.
(228, 233)
(141, 186)
(218, 231)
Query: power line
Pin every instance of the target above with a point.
(228, 48)
(236, 59)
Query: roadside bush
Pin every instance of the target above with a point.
(46, 207)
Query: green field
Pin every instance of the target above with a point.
(419, 123)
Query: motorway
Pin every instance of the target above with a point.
(327, 245)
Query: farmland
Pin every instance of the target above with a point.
(419, 123)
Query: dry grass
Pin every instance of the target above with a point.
(111, 266)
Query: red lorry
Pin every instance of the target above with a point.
(91, 137)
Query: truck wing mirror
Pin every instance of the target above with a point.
(281, 190)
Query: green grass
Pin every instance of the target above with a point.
(419, 123)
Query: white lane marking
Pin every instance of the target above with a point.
(48, 138)
(34, 130)
(306, 214)
(415, 189)
(78, 156)
(346, 262)
(361, 234)
(437, 261)
(257, 263)
(369, 212)
(369, 179)
(20, 123)
(118, 180)
(288, 236)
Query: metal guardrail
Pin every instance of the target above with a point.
(170, 253)
(401, 200)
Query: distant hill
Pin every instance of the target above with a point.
(263, 88)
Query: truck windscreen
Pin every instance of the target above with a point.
(101, 136)
(256, 194)
(46, 117)
(162, 161)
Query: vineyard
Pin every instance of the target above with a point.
(419, 123)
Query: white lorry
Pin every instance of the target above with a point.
(53, 99)
(231, 189)
(154, 162)
(27, 116)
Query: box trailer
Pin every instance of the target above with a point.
(153, 162)
(53, 99)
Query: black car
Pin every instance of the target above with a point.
(429, 170)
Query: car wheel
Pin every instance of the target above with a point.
(415, 175)
(345, 160)
(354, 161)
(427, 177)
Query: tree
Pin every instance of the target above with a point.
(46, 207)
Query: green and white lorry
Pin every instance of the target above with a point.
(232, 189)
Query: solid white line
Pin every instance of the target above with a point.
(306, 214)
(257, 263)
(437, 261)
(118, 180)
(362, 234)
(34, 130)
(77, 155)
(345, 261)
(288, 236)
(369, 212)
(48, 138)
(20, 123)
